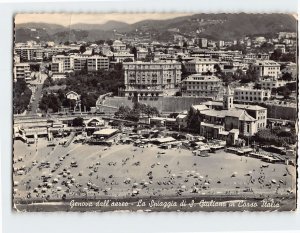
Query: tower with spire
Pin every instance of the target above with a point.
(228, 98)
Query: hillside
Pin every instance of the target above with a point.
(214, 26)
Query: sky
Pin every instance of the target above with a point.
(67, 19)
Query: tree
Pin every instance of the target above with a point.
(77, 122)
(99, 42)
(127, 60)
(218, 69)
(276, 55)
(50, 101)
(35, 67)
(292, 86)
(193, 120)
(250, 76)
(123, 112)
(133, 50)
(287, 77)
(82, 49)
(284, 91)
(21, 96)
(109, 42)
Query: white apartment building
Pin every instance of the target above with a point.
(67, 61)
(202, 86)
(250, 95)
(95, 63)
(200, 66)
(118, 46)
(267, 68)
(271, 83)
(80, 63)
(150, 78)
(22, 71)
(30, 53)
(120, 56)
(57, 67)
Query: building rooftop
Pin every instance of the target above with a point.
(202, 78)
(238, 113)
(249, 107)
(266, 63)
(200, 107)
(105, 132)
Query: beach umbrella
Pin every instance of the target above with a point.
(58, 188)
(55, 180)
(273, 181)
(183, 187)
(16, 183)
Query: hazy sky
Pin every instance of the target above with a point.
(67, 19)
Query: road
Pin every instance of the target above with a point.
(37, 94)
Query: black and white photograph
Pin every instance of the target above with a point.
(154, 112)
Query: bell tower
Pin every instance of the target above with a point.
(228, 99)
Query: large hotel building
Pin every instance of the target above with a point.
(201, 86)
(150, 78)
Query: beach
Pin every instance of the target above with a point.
(124, 171)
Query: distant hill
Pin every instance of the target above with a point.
(214, 26)
(108, 26)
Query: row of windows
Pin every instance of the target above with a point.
(249, 93)
(246, 98)
(261, 117)
(203, 88)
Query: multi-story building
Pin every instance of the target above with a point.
(142, 53)
(120, 56)
(30, 53)
(271, 83)
(118, 46)
(150, 78)
(280, 47)
(95, 63)
(228, 121)
(202, 86)
(267, 68)
(80, 63)
(200, 66)
(202, 42)
(22, 71)
(67, 61)
(257, 112)
(250, 95)
(57, 67)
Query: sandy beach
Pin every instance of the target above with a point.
(126, 171)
